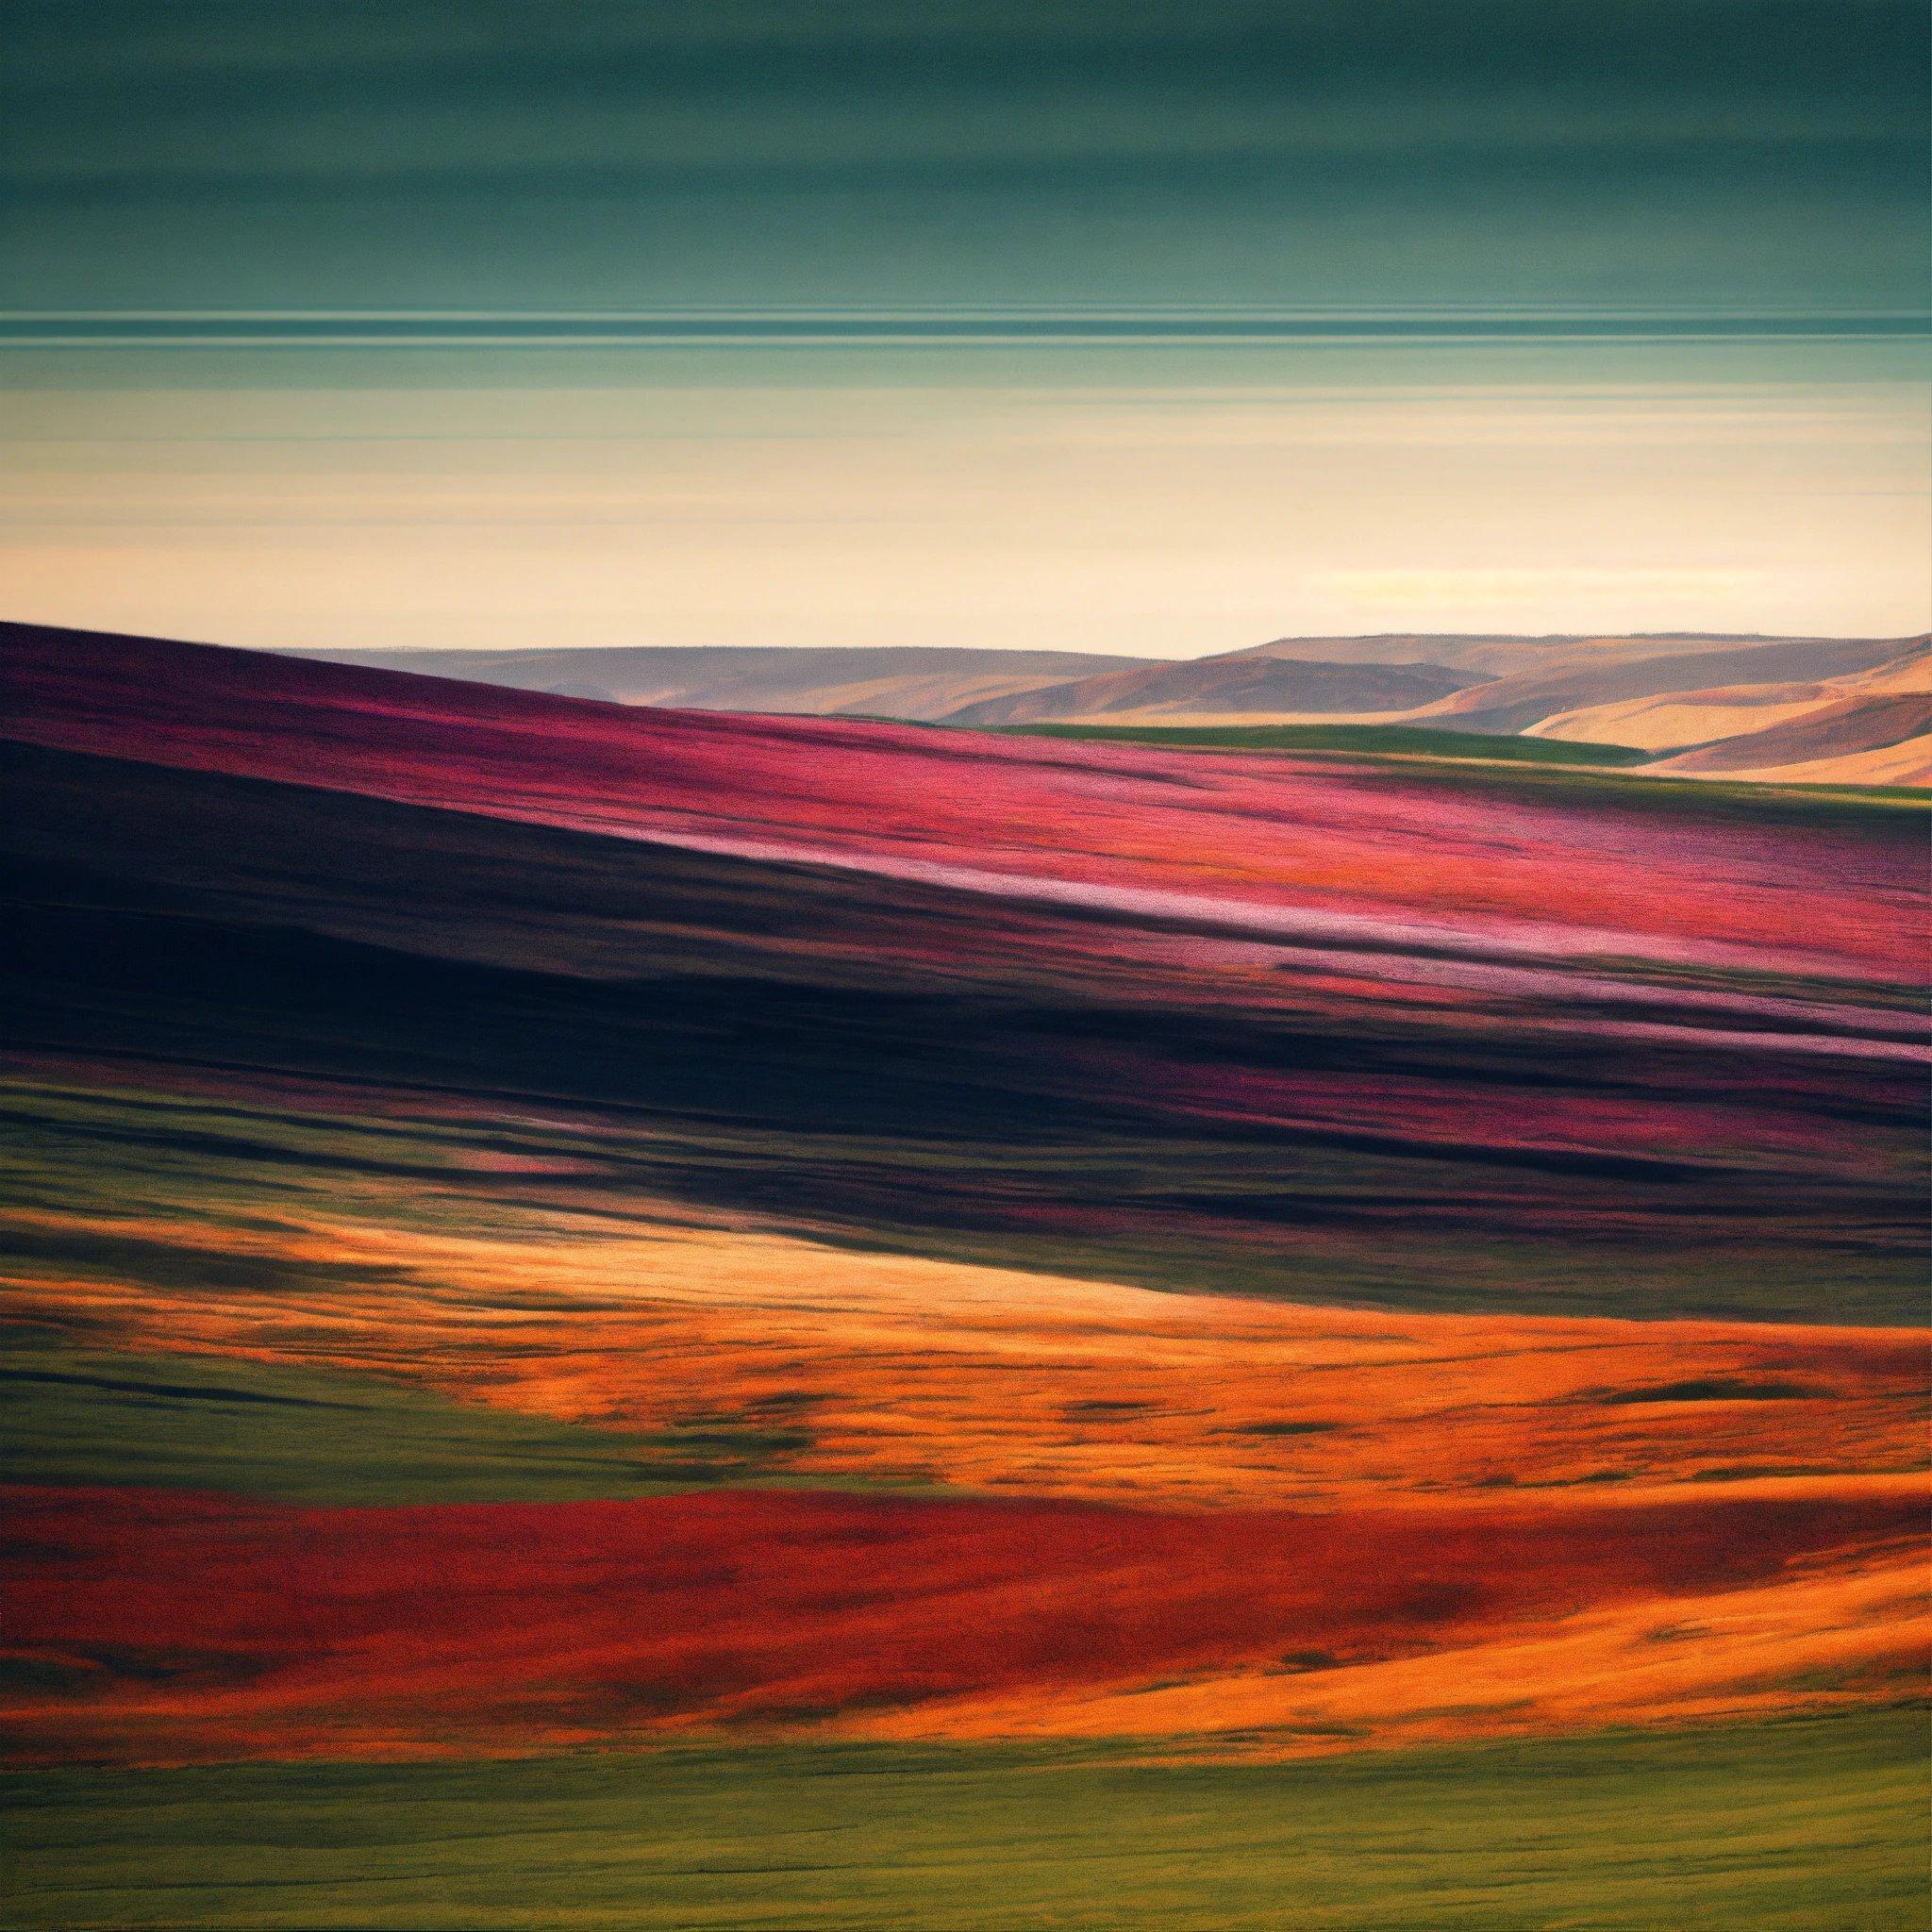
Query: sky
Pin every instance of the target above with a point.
(1150, 328)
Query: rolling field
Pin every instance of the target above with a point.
(624, 1317)
(1800, 1827)
(1576, 769)
(1402, 741)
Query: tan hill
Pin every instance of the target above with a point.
(1500, 654)
(1844, 727)
(1913, 672)
(1485, 682)
(1521, 700)
(1242, 685)
(914, 683)
(1907, 763)
(1679, 721)
(1669, 722)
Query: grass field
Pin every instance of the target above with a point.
(1409, 741)
(1582, 771)
(1819, 1825)
(105, 1417)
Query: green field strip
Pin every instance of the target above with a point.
(1814, 1826)
(1409, 741)
(1589, 773)
(80, 1417)
(114, 1153)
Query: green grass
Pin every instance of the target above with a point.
(204, 1163)
(74, 1416)
(1806, 1826)
(1403, 740)
(1581, 774)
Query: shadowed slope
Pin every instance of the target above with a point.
(1317, 852)
(1705, 717)
(1074, 1087)
(1507, 683)
(1907, 763)
(1527, 697)
(1842, 728)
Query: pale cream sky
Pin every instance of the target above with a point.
(1140, 509)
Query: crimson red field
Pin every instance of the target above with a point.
(192, 1626)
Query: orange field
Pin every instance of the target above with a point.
(912, 1371)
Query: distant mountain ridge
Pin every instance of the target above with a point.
(916, 684)
(1241, 684)
(1482, 683)
(1477, 681)
(1526, 698)
(1874, 727)
(1799, 709)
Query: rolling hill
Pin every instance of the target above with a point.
(1477, 683)
(1527, 698)
(1679, 698)
(1824, 738)
(1866, 726)
(1237, 685)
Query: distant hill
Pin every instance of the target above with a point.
(1497, 654)
(914, 683)
(1906, 762)
(1234, 685)
(1526, 698)
(1874, 728)
(1669, 722)
(1865, 727)
(1480, 683)
(1847, 728)
(1807, 709)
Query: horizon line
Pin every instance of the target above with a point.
(1485, 635)
(974, 325)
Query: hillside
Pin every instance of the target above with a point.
(1906, 762)
(1744, 727)
(1843, 728)
(1492, 654)
(1526, 698)
(1477, 682)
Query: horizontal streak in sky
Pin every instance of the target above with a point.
(27, 330)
